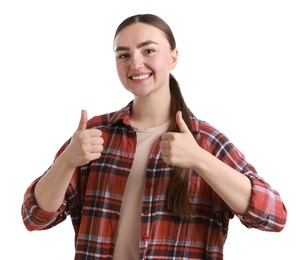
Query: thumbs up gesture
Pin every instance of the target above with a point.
(179, 149)
(86, 144)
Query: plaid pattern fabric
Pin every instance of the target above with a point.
(93, 199)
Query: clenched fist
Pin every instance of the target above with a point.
(86, 144)
(179, 149)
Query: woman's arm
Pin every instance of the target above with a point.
(85, 145)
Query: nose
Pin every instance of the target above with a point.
(137, 61)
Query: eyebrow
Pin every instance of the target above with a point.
(140, 45)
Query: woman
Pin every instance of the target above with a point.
(150, 180)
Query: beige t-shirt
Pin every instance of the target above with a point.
(128, 234)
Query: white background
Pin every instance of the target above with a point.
(243, 68)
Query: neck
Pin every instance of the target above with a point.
(149, 112)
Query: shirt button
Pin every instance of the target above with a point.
(146, 212)
(145, 238)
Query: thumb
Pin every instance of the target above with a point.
(83, 120)
(181, 123)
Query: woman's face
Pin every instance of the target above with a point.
(143, 59)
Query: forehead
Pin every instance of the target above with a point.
(139, 32)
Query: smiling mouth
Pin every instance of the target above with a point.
(139, 77)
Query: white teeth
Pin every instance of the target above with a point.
(141, 76)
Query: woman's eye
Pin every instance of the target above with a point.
(123, 56)
(149, 51)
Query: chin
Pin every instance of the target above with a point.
(140, 93)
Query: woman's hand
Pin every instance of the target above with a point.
(179, 149)
(86, 144)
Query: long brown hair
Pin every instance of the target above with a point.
(177, 195)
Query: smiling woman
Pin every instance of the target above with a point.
(138, 57)
(150, 179)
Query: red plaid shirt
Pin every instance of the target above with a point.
(93, 199)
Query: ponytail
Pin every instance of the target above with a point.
(177, 192)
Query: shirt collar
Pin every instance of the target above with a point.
(124, 113)
(121, 115)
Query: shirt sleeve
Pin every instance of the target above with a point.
(35, 218)
(266, 209)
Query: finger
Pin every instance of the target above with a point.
(97, 141)
(94, 132)
(163, 144)
(98, 148)
(83, 120)
(164, 136)
(181, 123)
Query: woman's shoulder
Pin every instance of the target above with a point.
(109, 118)
(201, 126)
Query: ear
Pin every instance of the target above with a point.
(173, 59)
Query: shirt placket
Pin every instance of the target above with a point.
(147, 206)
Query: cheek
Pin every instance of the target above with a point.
(122, 76)
(163, 63)
(162, 69)
(118, 67)
(121, 72)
